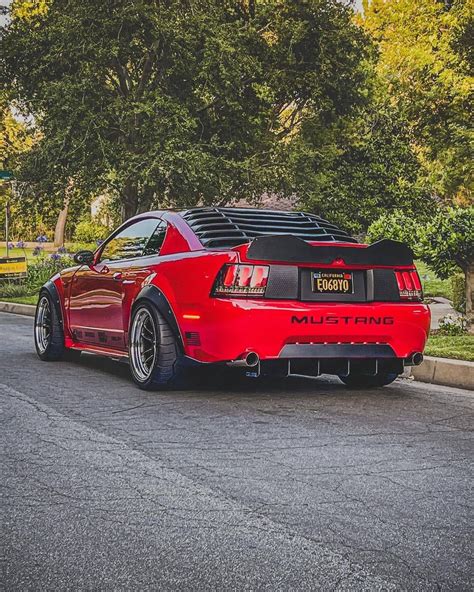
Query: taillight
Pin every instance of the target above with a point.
(409, 285)
(241, 280)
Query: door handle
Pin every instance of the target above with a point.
(117, 276)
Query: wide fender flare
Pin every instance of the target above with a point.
(154, 295)
(52, 290)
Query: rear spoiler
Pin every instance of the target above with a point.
(295, 250)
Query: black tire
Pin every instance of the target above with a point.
(363, 381)
(49, 348)
(164, 370)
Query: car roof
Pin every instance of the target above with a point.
(227, 226)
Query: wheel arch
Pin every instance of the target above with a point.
(154, 295)
(52, 290)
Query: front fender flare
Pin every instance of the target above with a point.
(52, 290)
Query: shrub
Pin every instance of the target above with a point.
(452, 325)
(458, 285)
(396, 226)
(43, 268)
(89, 231)
(13, 290)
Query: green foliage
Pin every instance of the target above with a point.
(89, 231)
(39, 272)
(397, 226)
(460, 347)
(32, 300)
(362, 166)
(181, 102)
(425, 49)
(452, 324)
(447, 241)
(433, 286)
(13, 289)
(458, 287)
(43, 268)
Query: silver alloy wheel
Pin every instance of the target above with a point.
(143, 346)
(43, 325)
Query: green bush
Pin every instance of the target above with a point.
(13, 289)
(458, 286)
(395, 225)
(73, 248)
(43, 268)
(89, 231)
(452, 324)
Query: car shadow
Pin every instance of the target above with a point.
(221, 379)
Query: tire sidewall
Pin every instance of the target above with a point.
(55, 348)
(148, 383)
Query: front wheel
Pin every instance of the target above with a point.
(363, 381)
(49, 335)
(153, 350)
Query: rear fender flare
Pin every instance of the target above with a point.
(157, 298)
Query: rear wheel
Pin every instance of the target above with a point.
(153, 350)
(49, 335)
(364, 381)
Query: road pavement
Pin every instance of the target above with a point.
(290, 485)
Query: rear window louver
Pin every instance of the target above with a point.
(228, 227)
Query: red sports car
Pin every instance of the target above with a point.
(269, 292)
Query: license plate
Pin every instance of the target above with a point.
(332, 282)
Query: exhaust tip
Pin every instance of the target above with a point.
(252, 359)
(417, 358)
(247, 360)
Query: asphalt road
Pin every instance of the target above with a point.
(296, 485)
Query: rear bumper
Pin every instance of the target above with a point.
(225, 329)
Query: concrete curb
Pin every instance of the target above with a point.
(456, 373)
(21, 309)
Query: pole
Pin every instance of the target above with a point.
(7, 216)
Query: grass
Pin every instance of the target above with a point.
(28, 253)
(432, 285)
(22, 299)
(459, 347)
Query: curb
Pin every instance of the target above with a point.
(27, 310)
(455, 373)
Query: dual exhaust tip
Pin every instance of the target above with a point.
(252, 359)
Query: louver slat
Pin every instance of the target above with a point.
(227, 227)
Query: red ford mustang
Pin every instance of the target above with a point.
(267, 291)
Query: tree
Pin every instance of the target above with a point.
(445, 243)
(426, 63)
(448, 242)
(359, 167)
(178, 103)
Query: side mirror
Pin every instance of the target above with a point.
(84, 257)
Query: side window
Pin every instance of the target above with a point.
(156, 239)
(130, 242)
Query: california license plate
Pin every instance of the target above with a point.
(332, 282)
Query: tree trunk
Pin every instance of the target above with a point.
(470, 295)
(129, 201)
(61, 223)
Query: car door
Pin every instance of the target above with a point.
(97, 291)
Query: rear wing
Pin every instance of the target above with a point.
(292, 249)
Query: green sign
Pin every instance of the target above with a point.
(6, 175)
